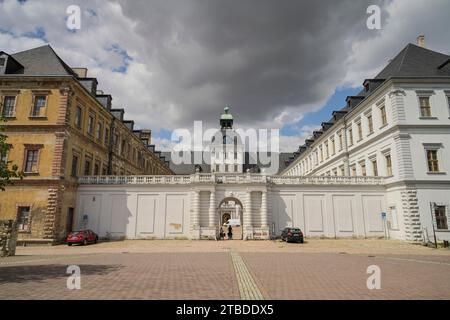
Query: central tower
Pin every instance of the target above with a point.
(227, 152)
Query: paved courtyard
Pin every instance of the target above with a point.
(181, 269)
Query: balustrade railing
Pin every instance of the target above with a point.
(231, 179)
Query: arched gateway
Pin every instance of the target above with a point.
(230, 212)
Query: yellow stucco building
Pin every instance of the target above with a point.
(59, 127)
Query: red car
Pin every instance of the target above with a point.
(82, 237)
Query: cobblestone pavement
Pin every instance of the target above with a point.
(318, 269)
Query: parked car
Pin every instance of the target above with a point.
(292, 235)
(82, 237)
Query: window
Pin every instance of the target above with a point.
(388, 165)
(362, 166)
(341, 168)
(226, 168)
(2, 62)
(217, 168)
(74, 171)
(370, 123)
(78, 117)
(340, 141)
(96, 169)
(335, 172)
(448, 102)
(326, 150)
(235, 156)
(23, 218)
(99, 131)
(433, 163)
(359, 126)
(104, 170)
(235, 168)
(425, 108)
(106, 136)
(90, 127)
(321, 154)
(441, 218)
(9, 103)
(350, 136)
(383, 115)
(87, 167)
(375, 168)
(353, 168)
(4, 155)
(39, 106)
(31, 160)
(333, 147)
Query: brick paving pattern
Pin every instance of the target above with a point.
(320, 269)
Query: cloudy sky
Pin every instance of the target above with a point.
(279, 64)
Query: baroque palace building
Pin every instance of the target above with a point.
(60, 127)
(378, 168)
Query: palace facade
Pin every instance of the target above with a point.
(378, 168)
(59, 127)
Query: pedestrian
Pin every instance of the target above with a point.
(230, 232)
(221, 234)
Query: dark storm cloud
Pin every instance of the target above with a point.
(261, 56)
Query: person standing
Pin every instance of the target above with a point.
(230, 232)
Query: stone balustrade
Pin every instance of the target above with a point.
(231, 179)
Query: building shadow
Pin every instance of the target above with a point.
(41, 273)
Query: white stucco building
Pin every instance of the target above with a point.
(378, 168)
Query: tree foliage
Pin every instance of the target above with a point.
(8, 171)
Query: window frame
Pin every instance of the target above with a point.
(437, 147)
(28, 148)
(443, 217)
(78, 117)
(388, 164)
(425, 94)
(75, 155)
(90, 128)
(4, 97)
(33, 105)
(18, 218)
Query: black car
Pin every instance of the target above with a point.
(292, 235)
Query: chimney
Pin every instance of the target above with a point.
(421, 41)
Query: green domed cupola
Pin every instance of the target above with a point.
(226, 119)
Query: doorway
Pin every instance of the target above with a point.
(230, 214)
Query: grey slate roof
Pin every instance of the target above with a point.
(415, 61)
(42, 61)
(181, 169)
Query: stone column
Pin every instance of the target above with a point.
(212, 209)
(247, 220)
(264, 213)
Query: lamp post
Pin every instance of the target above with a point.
(433, 207)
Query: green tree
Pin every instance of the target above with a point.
(8, 171)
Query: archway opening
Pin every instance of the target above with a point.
(230, 218)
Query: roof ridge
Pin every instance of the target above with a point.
(45, 45)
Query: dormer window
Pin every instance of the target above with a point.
(2, 62)
(367, 87)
